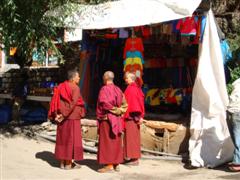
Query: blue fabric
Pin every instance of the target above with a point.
(174, 26)
(29, 114)
(133, 54)
(203, 24)
(226, 52)
(5, 113)
(234, 129)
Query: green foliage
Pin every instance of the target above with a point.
(235, 74)
(24, 24)
(234, 67)
(234, 43)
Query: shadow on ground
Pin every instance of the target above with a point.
(232, 175)
(91, 163)
(49, 157)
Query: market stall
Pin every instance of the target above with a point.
(203, 77)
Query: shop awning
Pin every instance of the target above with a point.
(125, 13)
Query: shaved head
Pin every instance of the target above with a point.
(108, 76)
(132, 76)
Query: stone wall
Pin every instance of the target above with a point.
(227, 13)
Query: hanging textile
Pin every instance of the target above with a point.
(226, 52)
(85, 74)
(210, 144)
(187, 26)
(133, 58)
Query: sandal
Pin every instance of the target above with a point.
(105, 169)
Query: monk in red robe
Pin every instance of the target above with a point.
(67, 108)
(110, 108)
(133, 118)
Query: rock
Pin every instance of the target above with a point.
(53, 127)
(17, 130)
(227, 13)
(89, 143)
(45, 124)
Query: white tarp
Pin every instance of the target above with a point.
(72, 35)
(125, 13)
(210, 143)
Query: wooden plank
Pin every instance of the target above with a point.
(161, 125)
(89, 122)
(5, 96)
(40, 98)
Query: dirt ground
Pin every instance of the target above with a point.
(27, 158)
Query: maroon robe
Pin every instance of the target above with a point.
(110, 128)
(135, 99)
(69, 134)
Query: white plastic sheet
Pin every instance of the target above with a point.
(126, 13)
(72, 35)
(210, 143)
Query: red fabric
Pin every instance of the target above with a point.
(110, 96)
(135, 100)
(65, 98)
(132, 142)
(187, 26)
(110, 150)
(111, 36)
(198, 35)
(54, 104)
(133, 68)
(133, 44)
(146, 32)
(69, 140)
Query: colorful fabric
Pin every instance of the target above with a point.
(133, 54)
(133, 44)
(155, 97)
(133, 61)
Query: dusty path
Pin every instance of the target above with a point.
(23, 158)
